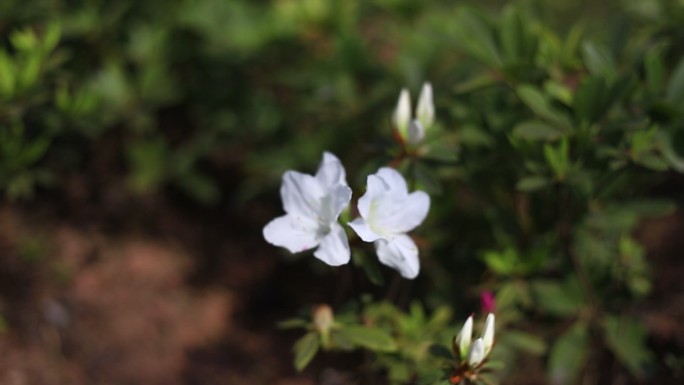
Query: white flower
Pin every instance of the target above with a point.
(388, 212)
(312, 205)
(413, 130)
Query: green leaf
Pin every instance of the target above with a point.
(305, 350)
(7, 77)
(28, 73)
(626, 337)
(568, 355)
(598, 60)
(526, 342)
(24, 40)
(368, 337)
(511, 34)
(502, 262)
(51, 37)
(675, 89)
(540, 105)
(532, 183)
(557, 159)
(654, 69)
(293, 323)
(590, 99)
(536, 130)
(559, 298)
(673, 148)
(475, 36)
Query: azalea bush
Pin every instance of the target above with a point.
(471, 161)
(540, 163)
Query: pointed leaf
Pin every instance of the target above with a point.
(626, 337)
(536, 130)
(305, 350)
(369, 337)
(568, 355)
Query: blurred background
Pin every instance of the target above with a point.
(142, 145)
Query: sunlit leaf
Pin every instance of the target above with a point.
(305, 350)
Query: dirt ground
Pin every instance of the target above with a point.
(177, 298)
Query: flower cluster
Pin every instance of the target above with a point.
(472, 355)
(313, 205)
(388, 211)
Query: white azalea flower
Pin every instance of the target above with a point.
(312, 205)
(388, 212)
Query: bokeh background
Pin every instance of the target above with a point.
(142, 145)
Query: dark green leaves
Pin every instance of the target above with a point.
(626, 337)
(568, 355)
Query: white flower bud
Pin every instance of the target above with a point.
(476, 353)
(402, 114)
(465, 336)
(425, 110)
(416, 132)
(488, 335)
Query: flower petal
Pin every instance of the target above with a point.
(402, 113)
(395, 182)
(416, 132)
(401, 254)
(375, 189)
(393, 216)
(361, 228)
(334, 202)
(294, 233)
(331, 172)
(488, 335)
(334, 247)
(301, 194)
(425, 110)
(464, 337)
(476, 353)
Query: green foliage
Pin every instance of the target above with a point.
(549, 141)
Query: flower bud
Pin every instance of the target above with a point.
(402, 114)
(488, 335)
(476, 353)
(465, 336)
(416, 132)
(425, 110)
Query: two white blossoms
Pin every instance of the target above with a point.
(388, 211)
(313, 205)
